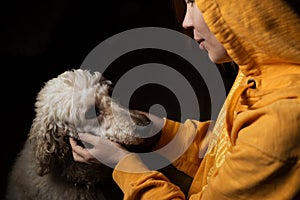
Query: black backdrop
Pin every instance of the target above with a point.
(41, 39)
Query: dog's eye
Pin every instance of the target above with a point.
(92, 113)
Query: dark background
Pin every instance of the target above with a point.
(41, 39)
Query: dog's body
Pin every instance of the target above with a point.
(75, 101)
(25, 183)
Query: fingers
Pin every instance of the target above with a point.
(80, 154)
(103, 152)
(78, 158)
(88, 138)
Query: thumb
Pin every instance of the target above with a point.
(88, 138)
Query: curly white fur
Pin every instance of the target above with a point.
(71, 95)
(75, 101)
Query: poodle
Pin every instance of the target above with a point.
(75, 101)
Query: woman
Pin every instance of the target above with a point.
(254, 149)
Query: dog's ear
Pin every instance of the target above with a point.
(49, 144)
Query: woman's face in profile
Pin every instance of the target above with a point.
(206, 39)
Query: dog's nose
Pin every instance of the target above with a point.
(144, 126)
(139, 119)
(145, 131)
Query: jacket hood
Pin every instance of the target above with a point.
(256, 32)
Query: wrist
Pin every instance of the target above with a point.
(119, 156)
(131, 163)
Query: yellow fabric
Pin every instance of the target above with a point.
(254, 148)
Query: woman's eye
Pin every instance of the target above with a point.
(92, 113)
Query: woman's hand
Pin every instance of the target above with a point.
(102, 151)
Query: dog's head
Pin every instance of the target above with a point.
(80, 101)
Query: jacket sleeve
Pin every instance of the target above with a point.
(264, 162)
(190, 136)
(137, 181)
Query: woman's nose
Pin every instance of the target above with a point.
(187, 22)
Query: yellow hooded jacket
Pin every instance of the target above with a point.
(253, 150)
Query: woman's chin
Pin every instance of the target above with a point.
(219, 59)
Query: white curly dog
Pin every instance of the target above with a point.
(75, 101)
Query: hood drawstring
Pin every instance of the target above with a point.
(231, 107)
